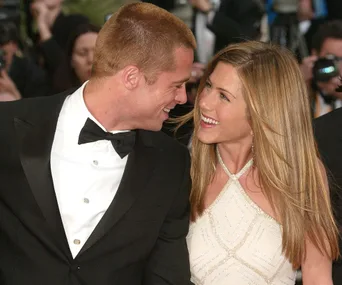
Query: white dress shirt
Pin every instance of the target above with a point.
(322, 108)
(86, 177)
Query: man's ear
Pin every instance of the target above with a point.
(131, 76)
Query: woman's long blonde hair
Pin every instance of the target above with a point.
(285, 154)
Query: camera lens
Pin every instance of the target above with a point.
(325, 69)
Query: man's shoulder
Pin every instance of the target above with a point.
(13, 108)
(163, 141)
(34, 106)
(329, 122)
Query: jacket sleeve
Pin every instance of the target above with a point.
(169, 261)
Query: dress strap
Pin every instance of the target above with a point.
(237, 175)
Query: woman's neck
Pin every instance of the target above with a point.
(235, 156)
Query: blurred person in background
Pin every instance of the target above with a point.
(54, 30)
(322, 11)
(322, 68)
(285, 27)
(334, 8)
(78, 60)
(20, 76)
(232, 21)
(204, 36)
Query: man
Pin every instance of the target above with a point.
(326, 42)
(74, 207)
(329, 140)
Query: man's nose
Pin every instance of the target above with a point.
(182, 97)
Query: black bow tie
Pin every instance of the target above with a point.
(123, 143)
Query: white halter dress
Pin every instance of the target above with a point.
(235, 243)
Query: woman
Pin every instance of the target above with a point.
(260, 202)
(76, 68)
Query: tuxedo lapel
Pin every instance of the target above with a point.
(138, 171)
(35, 137)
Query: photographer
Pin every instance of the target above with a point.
(321, 70)
(20, 77)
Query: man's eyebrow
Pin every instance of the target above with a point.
(182, 80)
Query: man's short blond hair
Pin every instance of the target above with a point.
(143, 35)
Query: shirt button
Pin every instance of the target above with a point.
(77, 241)
(95, 162)
(86, 200)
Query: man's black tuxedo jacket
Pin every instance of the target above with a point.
(328, 132)
(140, 239)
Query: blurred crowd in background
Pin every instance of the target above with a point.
(44, 50)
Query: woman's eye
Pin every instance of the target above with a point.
(224, 97)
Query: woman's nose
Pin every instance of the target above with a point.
(206, 101)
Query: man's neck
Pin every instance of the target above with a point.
(106, 105)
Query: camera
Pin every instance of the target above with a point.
(326, 68)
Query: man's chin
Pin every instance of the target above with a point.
(154, 128)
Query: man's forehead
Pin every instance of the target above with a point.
(332, 46)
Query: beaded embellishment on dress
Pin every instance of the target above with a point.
(236, 242)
